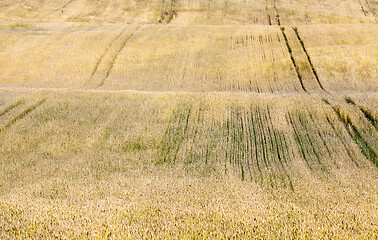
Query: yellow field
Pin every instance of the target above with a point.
(188, 119)
(193, 58)
(267, 12)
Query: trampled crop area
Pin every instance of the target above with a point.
(188, 119)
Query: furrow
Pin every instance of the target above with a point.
(22, 115)
(292, 59)
(264, 149)
(298, 139)
(107, 73)
(102, 56)
(12, 106)
(241, 141)
(367, 113)
(351, 128)
(248, 147)
(276, 147)
(256, 147)
(175, 134)
(342, 140)
(308, 58)
(195, 138)
(309, 138)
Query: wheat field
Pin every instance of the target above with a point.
(188, 119)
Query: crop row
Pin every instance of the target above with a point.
(264, 142)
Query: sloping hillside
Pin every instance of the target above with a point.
(262, 12)
(188, 119)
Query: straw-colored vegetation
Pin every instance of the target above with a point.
(188, 119)
(192, 12)
(157, 165)
(192, 58)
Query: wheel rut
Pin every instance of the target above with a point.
(107, 59)
(22, 115)
(304, 67)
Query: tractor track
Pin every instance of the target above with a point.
(303, 72)
(97, 78)
(68, 3)
(367, 113)
(308, 59)
(116, 55)
(354, 133)
(23, 114)
(102, 56)
(292, 59)
(11, 106)
(368, 11)
(270, 7)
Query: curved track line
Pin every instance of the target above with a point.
(355, 134)
(116, 55)
(292, 59)
(22, 115)
(308, 59)
(10, 107)
(102, 56)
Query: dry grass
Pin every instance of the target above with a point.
(67, 54)
(192, 12)
(189, 58)
(338, 62)
(89, 164)
(188, 119)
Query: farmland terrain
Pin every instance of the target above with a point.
(188, 119)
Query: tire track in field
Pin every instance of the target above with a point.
(167, 15)
(292, 59)
(362, 8)
(276, 13)
(22, 115)
(270, 6)
(370, 8)
(68, 3)
(107, 60)
(102, 56)
(304, 68)
(354, 133)
(175, 134)
(308, 58)
(11, 106)
(116, 55)
(367, 113)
